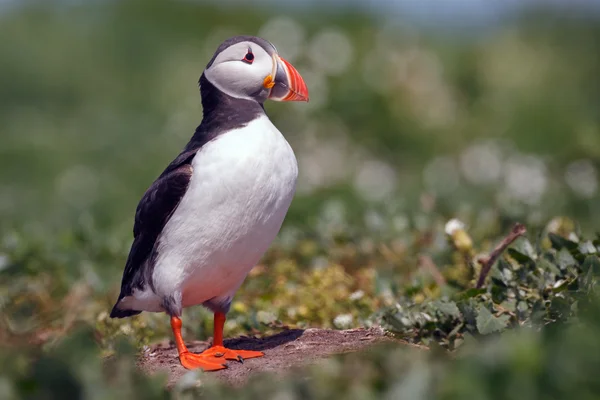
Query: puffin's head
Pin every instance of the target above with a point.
(248, 67)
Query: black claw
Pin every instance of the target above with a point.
(225, 365)
(240, 359)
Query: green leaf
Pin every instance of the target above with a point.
(522, 251)
(468, 309)
(559, 308)
(538, 312)
(597, 240)
(488, 323)
(587, 247)
(470, 293)
(592, 265)
(565, 259)
(522, 306)
(559, 242)
(518, 256)
(509, 304)
(447, 307)
(548, 266)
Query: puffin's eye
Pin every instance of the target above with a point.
(248, 58)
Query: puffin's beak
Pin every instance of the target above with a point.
(288, 85)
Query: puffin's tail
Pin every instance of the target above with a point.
(119, 313)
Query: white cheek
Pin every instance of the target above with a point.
(238, 79)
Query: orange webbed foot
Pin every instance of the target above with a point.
(200, 361)
(221, 352)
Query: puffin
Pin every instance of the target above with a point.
(210, 216)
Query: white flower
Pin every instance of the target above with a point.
(453, 225)
(357, 295)
(343, 321)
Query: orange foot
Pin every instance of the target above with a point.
(195, 361)
(220, 352)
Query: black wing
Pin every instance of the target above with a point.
(154, 210)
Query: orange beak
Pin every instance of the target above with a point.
(288, 85)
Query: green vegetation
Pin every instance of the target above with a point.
(406, 130)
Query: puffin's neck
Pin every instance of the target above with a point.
(218, 106)
(222, 113)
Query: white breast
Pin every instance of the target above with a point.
(241, 188)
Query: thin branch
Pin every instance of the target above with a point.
(487, 262)
(427, 263)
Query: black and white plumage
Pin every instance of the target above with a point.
(214, 211)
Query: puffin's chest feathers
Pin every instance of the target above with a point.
(246, 175)
(241, 188)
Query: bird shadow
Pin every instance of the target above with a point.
(263, 343)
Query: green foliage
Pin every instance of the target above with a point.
(530, 286)
(488, 323)
(545, 291)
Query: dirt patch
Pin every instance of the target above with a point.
(283, 351)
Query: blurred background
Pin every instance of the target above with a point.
(488, 103)
(420, 111)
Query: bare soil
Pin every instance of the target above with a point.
(290, 348)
